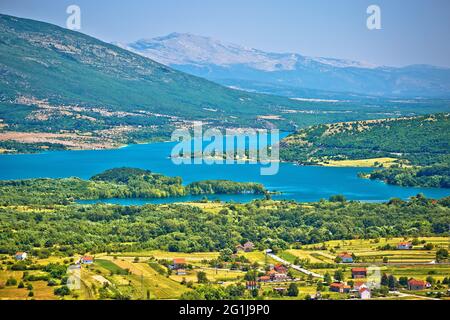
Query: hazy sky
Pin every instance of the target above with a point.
(413, 31)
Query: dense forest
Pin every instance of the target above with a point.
(420, 141)
(184, 228)
(114, 183)
(415, 142)
(437, 176)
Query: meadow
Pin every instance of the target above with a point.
(145, 274)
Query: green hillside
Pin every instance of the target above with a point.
(415, 142)
(44, 61)
(115, 183)
(88, 94)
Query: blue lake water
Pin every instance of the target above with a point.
(305, 184)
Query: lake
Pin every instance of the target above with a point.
(300, 183)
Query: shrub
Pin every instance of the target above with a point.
(11, 282)
(62, 291)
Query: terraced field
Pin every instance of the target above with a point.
(143, 278)
(368, 251)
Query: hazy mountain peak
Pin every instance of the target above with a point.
(185, 48)
(282, 73)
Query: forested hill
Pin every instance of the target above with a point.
(422, 141)
(41, 61)
(114, 183)
(181, 228)
(420, 145)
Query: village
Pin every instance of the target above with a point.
(361, 270)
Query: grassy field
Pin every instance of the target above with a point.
(416, 263)
(143, 278)
(163, 255)
(369, 250)
(363, 163)
(313, 257)
(147, 277)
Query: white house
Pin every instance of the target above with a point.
(364, 293)
(404, 246)
(87, 260)
(21, 256)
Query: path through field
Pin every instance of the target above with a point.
(293, 266)
(145, 278)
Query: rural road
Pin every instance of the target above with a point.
(402, 294)
(293, 266)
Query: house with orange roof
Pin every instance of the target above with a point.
(416, 285)
(280, 268)
(345, 257)
(264, 279)
(340, 287)
(404, 246)
(87, 260)
(358, 273)
(179, 263)
(20, 256)
(358, 285)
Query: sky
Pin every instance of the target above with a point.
(412, 31)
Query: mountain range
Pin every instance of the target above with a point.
(63, 89)
(290, 74)
(41, 61)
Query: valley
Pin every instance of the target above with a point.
(94, 207)
(63, 90)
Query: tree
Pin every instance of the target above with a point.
(327, 279)
(201, 277)
(290, 274)
(384, 280)
(430, 280)
(339, 275)
(338, 198)
(251, 275)
(62, 291)
(235, 291)
(225, 254)
(403, 281)
(392, 282)
(292, 290)
(320, 286)
(441, 255)
(11, 282)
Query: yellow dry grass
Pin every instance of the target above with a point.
(364, 163)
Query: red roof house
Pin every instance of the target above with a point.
(404, 246)
(179, 263)
(339, 287)
(358, 273)
(414, 284)
(346, 257)
(87, 260)
(280, 268)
